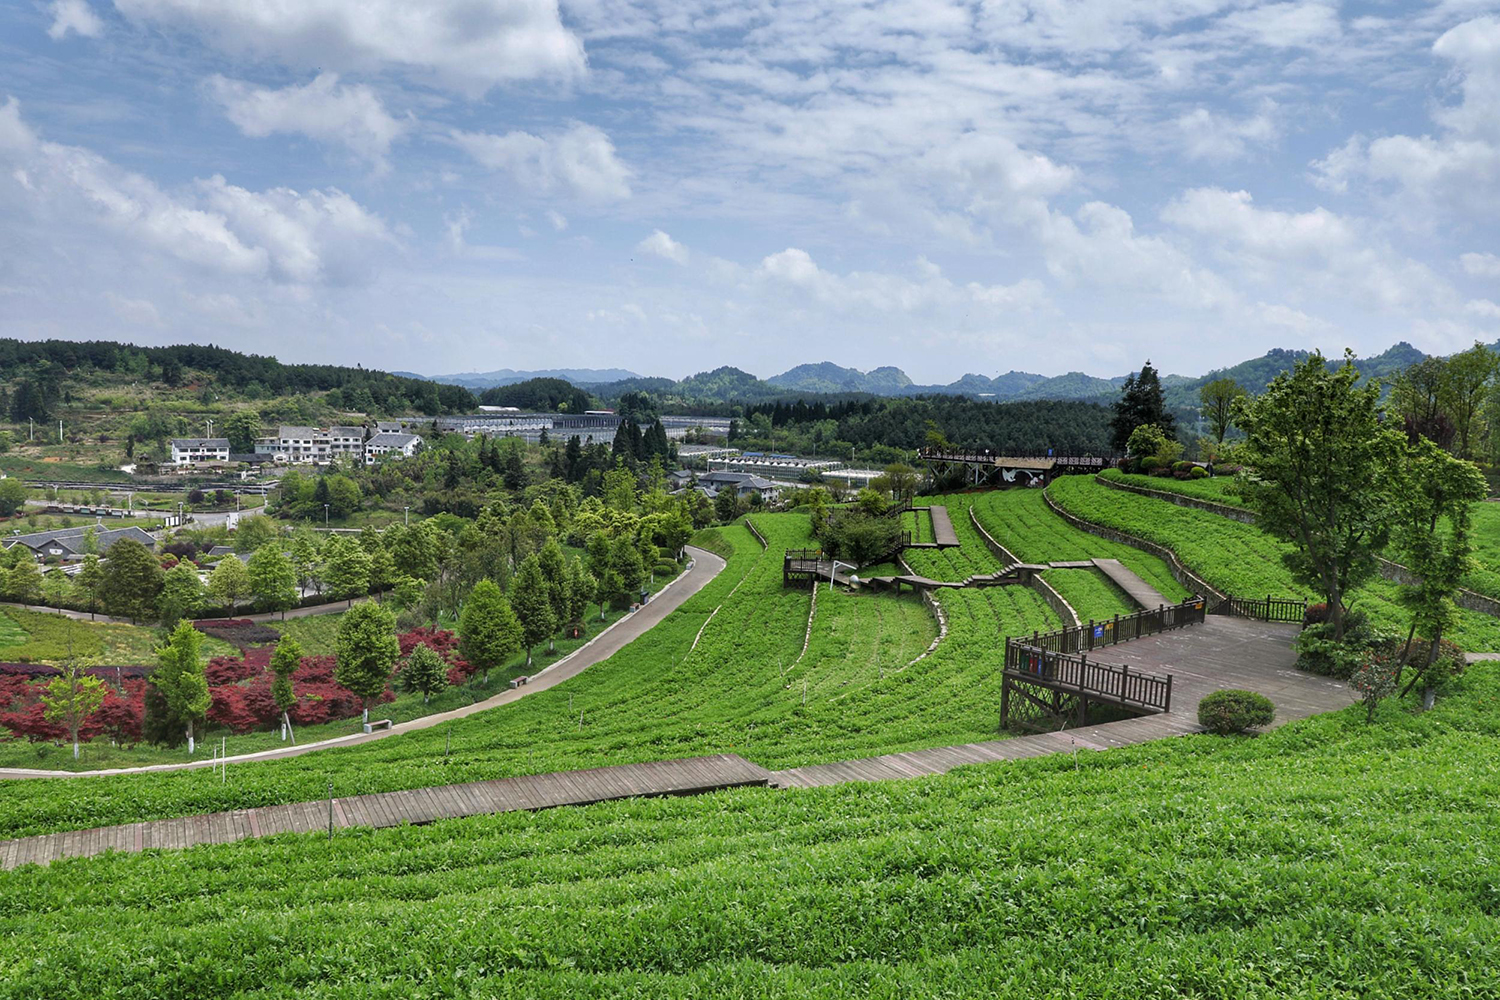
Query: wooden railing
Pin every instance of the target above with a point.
(1076, 674)
(1058, 457)
(1269, 609)
(1120, 628)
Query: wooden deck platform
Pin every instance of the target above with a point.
(689, 776)
(1138, 590)
(942, 528)
(1219, 653)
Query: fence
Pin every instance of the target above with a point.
(1121, 628)
(1269, 609)
(1094, 681)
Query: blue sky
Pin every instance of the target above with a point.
(947, 187)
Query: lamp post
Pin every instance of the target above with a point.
(406, 517)
(833, 568)
(325, 517)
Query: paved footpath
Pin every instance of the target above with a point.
(703, 568)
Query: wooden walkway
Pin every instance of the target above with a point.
(943, 534)
(1138, 590)
(1220, 653)
(418, 805)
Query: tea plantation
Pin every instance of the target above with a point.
(1329, 858)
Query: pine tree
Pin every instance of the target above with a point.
(1141, 402)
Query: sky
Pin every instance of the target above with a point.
(466, 185)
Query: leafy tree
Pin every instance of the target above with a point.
(273, 581)
(229, 583)
(581, 588)
(91, 541)
(89, 583)
(425, 672)
(181, 595)
(56, 588)
(1216, 401)
(348, 569)
(1417, 395)
(555, 571)
(284, 663)
(1433, 487)
(367, 650)
(13, 495)
(1468, 376)
(241, 427)
(726, 506)
(305, 556)
(180, 679)
(132, 579)
(343, 495)
(1323, 465)
(253, 532)
(531, 600)
(71, 698)
(626, 562)
(382, 571)
(899, 480)
(1141, 402)
(24, 582)
(488, 632)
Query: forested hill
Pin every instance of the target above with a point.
(40, 369)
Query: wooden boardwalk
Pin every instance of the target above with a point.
(943, 534)
(1220, 653)
(689, 776)
(1138, 590)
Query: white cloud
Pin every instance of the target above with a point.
(558, 220)
(1481, 265)
(1209, 136)
(76, 16)
(883, 293)
(663, 246)
(324, 109)
(285, 235)
(469, 45)
(137, 312)
(580, 161)
(1483, 308)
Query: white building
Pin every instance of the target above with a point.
(191, 451)
(312, 445)
(391, 443)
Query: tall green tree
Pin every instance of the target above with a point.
(273, 581)
(253, 532)
(13, 495)
(90, 583)
(284, 663)
(1216, 401)
(348, 569)
(1434, 491)
(531, 600)
(132, 579)
(1468, 378)
(229, 583)
(1323, 468)
(1141, 402)
(181, 595)
(24, 582)
(555, 571)
(382, 571)
(488, 631)
(425, 672)
(71, 698)
(581, 588)
(305, 557)
(367, 650)
(241, 427)
(180, 679)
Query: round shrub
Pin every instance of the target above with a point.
(1151, 463)
(1183, 466)
(1232, 711)
(1197, 472)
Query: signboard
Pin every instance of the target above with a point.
(1098, 631)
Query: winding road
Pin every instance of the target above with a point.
(703, 568)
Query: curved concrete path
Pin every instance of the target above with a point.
(703, 568)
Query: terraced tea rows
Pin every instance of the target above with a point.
(1238, 558)
(739, 691)
(1274, 867)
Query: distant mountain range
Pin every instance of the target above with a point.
(731, 384)
(509, 376)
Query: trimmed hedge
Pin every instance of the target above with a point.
(1234, 711)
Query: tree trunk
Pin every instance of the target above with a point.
(191, 744)
(1336, 612)
(75, 747)
(528, 656)
(365, 716)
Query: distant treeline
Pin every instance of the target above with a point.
(970, 424)
(41, 367)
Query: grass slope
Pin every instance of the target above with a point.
(739, 691)
(1327, 859)
(1238, 558)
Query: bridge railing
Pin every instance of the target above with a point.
(1077, 674)
(1269, 609)
(991, 456)
(1121, 628)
